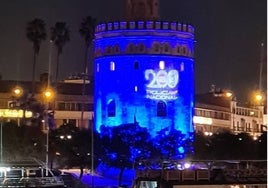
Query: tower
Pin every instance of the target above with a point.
(137, 10)
(144, 75)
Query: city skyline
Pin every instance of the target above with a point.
(228, 38)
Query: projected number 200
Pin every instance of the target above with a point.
(162, 78)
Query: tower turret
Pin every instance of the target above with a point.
(137, 10)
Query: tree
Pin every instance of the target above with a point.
(36, 33)
(87, 31)
(73, 145)
(22, 142)
(60, 35)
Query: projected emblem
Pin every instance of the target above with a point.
(162, 84)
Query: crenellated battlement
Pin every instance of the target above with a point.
(144, 25)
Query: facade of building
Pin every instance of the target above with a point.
(66, 106)
(215, 112)
(144, 70)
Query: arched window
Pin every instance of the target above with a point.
(184, 50)
(161, 109)
(108, 50)
(111, 108)
(141, 48)
(131, 48)
(166, 48)
(156, 47)
(116, 49)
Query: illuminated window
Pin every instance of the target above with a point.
(162, 65)
(182, 67)
(111, 108)
(136, 88)
(161, 109)
(98, 67)
(112, 66)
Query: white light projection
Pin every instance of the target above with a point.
(162, 84)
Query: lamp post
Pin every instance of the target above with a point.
(17, 92)
(48, 95)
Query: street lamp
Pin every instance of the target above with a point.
(48, 95)
(17, 91)
(258, 97)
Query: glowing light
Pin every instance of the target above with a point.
(13, 113)
(228, 94)
(181, 149)
(258, 97)
(18, 91)
(161, 65)
(48, 94)
(202, 120)
(4, 169)
(112, 66)
(187, 165)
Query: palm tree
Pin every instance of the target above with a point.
(36, 33)
(87, 31)
(60, 35)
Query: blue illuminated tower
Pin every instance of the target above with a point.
(144, 73)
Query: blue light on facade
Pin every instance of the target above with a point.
(144, 74)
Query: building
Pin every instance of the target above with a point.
(66, 106)
(144, 70)
(215, 111)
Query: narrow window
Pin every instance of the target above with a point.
(112, 66)
(136, 65)
(161, 109)
(162, 65)
(111, 108)
(136, 88)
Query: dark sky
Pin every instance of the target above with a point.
(228, 34)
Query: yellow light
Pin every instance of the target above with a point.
(202, 120)
(13, 113)
(258, 97)
(48, 94)
(17, 91)
(228, 94)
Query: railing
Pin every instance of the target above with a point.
(202, 172)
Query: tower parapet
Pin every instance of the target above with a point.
(163, 38)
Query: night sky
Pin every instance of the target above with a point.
(228, 35)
